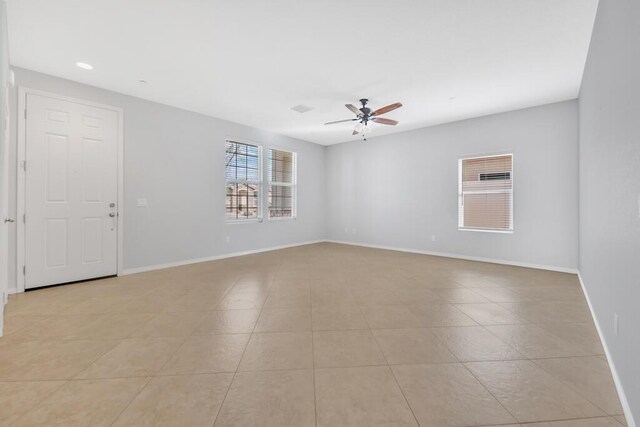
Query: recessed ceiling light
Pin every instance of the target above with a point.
(452, 98)
(144, 82)
(84, 65)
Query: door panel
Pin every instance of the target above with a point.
(71, 182)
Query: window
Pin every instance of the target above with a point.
(485, 193)
(244, 181)
(282, 184)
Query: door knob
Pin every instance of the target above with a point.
(112, 214)
(9, 220)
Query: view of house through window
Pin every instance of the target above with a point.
(486, 193)
(282, 179)
(244, 181)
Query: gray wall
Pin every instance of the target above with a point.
(610, 185)
(402, 189)
(175, 159)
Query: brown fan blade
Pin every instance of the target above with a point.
(386, 109)
(353, 109)
(341, 121)
(384, 121)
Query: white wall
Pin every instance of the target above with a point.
(4, 212)
(610, 186)
(175, 159)
(401, 189)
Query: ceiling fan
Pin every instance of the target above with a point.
(365, 115)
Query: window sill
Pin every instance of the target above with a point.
(486, 230)
(244, 221)
(282, 218)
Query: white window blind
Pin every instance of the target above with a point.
(244, 181)
(282, 184)
(485, 193)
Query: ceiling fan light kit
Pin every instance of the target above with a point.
(365, 117)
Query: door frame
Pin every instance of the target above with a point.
(21, 253)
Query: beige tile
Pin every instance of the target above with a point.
(346, 348)
(589, 377)
(458, 295)
(584, 422)
(184, 400)
(228, 322)
(550, 312)
(98, 305)
(395, 316)
(114, 326)
(289, 285)
(52, 327)
(448, 395)
(41, 303)
(17, 322)
(324, 287)
(332, 298)
(133, 357)
(200, 301)
(289, 299)
(49, 360)
(404, 346)
(84, 403)
(529, 393)
(360, 396)
(475, 343)
(284, 320)
(171, 325)
(490, 314)
(251, 286)
(241, 301)
(17, 398)
(337, 318)
(207, 354)
(534, 342)
(583, 335)
(385, 297)
(144, 304)
(278, 350)
(620, 419)
(441, 315)
(269, 398)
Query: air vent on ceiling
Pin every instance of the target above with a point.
(301, 108)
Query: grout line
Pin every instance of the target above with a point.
(132, 400)
(244, 350)
(489, 391)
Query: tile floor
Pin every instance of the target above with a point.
(325, 334)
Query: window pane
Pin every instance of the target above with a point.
(486, 201)
(281, 166)
(242, 201)
(242, 161)
(280, 201)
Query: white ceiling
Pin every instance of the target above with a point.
(250, 61)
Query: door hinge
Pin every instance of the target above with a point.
(25, 114)
(24, 218)
(24, 165)
(24, 270)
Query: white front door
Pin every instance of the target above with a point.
(71, 185)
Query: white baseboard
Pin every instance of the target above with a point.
(458, 256)
(135, 270)
(614, 373)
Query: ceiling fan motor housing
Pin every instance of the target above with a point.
(365, 110)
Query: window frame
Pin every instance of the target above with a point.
(293, 184)
(259, 183)
(461, 194)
